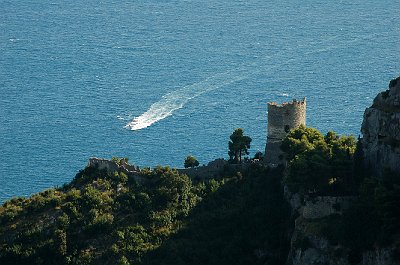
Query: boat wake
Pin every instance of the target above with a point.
(178, 98)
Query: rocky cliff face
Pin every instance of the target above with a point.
(309, 245)
(381, 146)
(381, 130)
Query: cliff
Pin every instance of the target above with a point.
(361, 229)
(381, 130)
(325, 213)
(324, 237)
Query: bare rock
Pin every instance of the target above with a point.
(381, 130)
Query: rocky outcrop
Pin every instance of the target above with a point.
(315, 207)
(381, 130)
(323, 206)
(310, 247)
(383, 256)
(381, 149)
(307, 245)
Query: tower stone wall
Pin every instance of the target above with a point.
(281, 119)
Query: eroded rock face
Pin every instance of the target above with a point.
(309, 247)
(381, 146)
(381, 130)
(382, 256)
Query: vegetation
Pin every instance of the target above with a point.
(155, 217)
(373, 220)
(242, 215)
(100, 218)
(319, 164)
(238, 145)
(162, 217)
(191, 161)
(333, 165)
(120, 161)
(370, 223)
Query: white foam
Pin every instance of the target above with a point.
(177, 99)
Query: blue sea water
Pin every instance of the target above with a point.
(77, 76)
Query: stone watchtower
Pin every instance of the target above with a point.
(281, 119)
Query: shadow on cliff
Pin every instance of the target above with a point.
(244, 221)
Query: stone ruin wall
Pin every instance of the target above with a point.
(281, 119)
(212, 169)
(111, 166)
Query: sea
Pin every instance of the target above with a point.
(158, 80)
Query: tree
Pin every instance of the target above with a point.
(318, 163)
(238, 145)
(191, 161)
(300, 140)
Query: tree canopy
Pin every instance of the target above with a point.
(238, 145)
(109, 218)
(191, 161)
(318, 163)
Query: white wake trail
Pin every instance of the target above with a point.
(177, 99)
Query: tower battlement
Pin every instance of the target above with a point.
(284, 104)
(281, 119)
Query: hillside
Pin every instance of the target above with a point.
(336, 202)
(111, 218)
